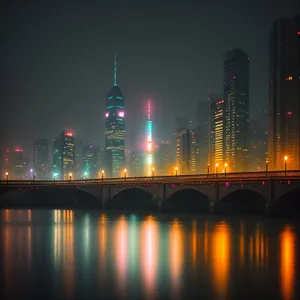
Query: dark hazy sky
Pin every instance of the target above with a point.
(56, 60)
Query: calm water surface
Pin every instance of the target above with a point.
(65, 254)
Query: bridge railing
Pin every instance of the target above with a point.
(172, 178)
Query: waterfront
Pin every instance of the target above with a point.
(80, 254)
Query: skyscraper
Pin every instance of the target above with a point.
(202, 135)
(284, 94)
(63, 155)
(217, 130)
(114, 129)
(236, 97)
(186, 152)
(41, 158)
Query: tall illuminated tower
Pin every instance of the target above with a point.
(114, 129)
(149, 162)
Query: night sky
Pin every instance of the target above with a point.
(56, 61)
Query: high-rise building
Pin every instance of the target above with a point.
(19, 165)
(63, 155)
(136, 164)
(284, 94)
(186, 152)
(165, 158)
(91, 160)
(217, 131)
(202, 135)
(41, 158)
(236, 97)
(115, 129)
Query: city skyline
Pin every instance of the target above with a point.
(56, 69)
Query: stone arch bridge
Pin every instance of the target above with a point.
(213, 190)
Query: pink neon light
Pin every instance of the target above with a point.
(18, 150)
(234, 77)
(107, 115)
(121, 114)
(298, 32)
(69, 133)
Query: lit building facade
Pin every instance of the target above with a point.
(63, 162)
(236, 97)
(115, 130)
(217, 131)
(19, 165)
(41, 158)
(186, 152)
(284, 94)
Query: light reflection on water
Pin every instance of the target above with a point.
(69, 255)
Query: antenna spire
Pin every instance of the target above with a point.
(115, 70)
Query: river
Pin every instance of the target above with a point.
(67, 254)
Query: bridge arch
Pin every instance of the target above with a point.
(54, 197)
(187, 200)
(288, 204)
(244, 200)
(132, 198)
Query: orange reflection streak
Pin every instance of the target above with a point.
(288, 247)
(176, 255)
(251, 250)
(102, 243)
(29, 215)
(221, 258)
(121, 247)
(29, 245)
(262, 248)
(257, 239)
(68, 248)
(242, 244)
(194, 243)
(149, 254)
(205, 241)
(8, 263)
(6, 215)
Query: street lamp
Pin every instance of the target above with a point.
(267, 167)
(217, 168)
(70, 174)
(85, 175)
(102, 175)
(152, 172)
(176, 171)
(125, 172)
(207, 169)
(6, 176)
(285, 160)
(226, 165)
(54, 176)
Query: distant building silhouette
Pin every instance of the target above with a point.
(236, 97)
(114, 129)
(41, 158)
(284, 94)
(91, 158)
(186, 152)
(202, 136)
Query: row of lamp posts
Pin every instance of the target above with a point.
(176, 171)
